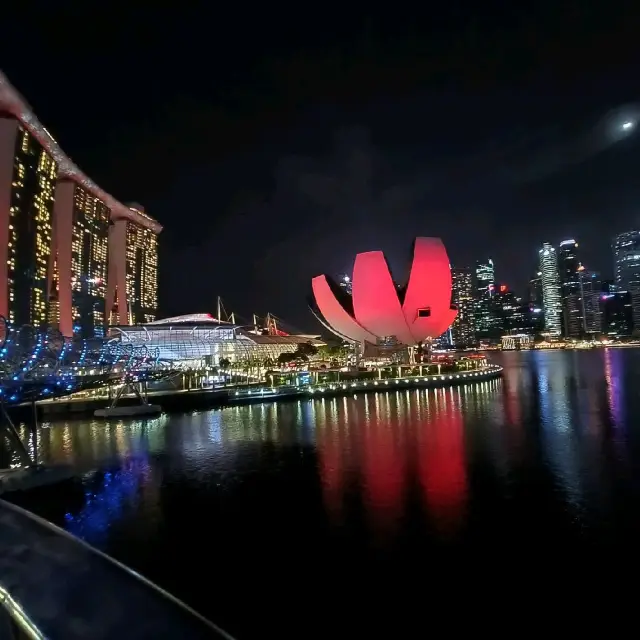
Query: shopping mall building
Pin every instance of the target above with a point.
(201, 339)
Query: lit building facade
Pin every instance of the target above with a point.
(132, 295)
(485, 278)
(516, 342)
(512, 315)
(142, 271)
(199, 339)
(590, 291)
(55, 226)
(463, 328)
(572, 302)
(551, 292)
(616, 310)
(78, 283)
(28, 174)
(535, 291)
(626, 253)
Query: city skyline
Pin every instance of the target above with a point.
(564, 299)
(502, 156)
(81, 286)
(492, 272)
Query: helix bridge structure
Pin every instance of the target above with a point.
(39, 363)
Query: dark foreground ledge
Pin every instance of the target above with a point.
(54, 586)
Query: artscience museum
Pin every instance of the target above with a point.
(379, 312)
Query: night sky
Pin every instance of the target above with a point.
(275, 144)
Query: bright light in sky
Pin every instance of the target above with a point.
(626, 126)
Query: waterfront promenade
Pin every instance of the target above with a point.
(188, 399)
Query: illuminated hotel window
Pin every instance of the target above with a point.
(90, 232)
(142, 273)
(29, 239)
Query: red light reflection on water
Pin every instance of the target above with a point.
(380, 446)
(384, 462)
(362, 447)
(441, 463)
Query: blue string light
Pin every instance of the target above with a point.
(34, 364)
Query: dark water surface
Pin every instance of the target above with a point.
(339, 516)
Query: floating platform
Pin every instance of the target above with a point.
(131, 411)
(264, 394)
(37, 476)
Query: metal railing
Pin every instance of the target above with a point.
(14, 623)
(53, 585)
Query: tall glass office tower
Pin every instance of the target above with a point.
(551, 293)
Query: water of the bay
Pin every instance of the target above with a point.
(331, 516)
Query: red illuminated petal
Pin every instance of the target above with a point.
(375, 298)
(429, 287)
(434, 326)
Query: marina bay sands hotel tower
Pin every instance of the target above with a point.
(70, 254)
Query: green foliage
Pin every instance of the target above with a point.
(300, 355)
(307, 349)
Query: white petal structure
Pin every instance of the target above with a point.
(377, 309)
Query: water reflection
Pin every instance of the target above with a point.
(556, 392)
(614, 375)
(108, 496)
(547, 456)
(83, 444)
(556, 427)
(377, 454)
(386, 445)
(442, 462)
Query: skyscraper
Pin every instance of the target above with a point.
(132, 294)
(345, 282)
(551, 295)
(142, 270)
(463, 327)
(512, 315)
(28, 173)
(55, 225)
(484, 289)
(590, 291)
(572, 303)
(615, 307)
(626, 252)
(535, 291)
(79, 264)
